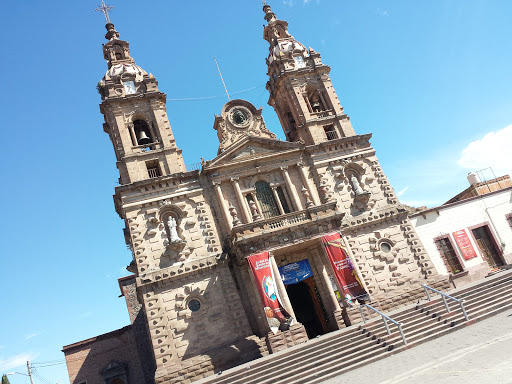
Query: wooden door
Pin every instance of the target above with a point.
(487, 247)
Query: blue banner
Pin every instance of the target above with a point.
(295, 272)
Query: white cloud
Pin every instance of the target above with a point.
(289, 3)
(381, 12)
(493, 150)
(402, 191)
(15, 361)
(31, 335)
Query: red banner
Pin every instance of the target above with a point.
(343, 268)
(265, 282)
(464, 244)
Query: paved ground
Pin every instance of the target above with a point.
(478, 354)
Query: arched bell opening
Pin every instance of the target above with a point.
(142, 132)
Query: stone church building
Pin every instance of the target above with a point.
(195, 300)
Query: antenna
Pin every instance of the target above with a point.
(223, 83)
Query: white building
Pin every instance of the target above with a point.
(468, 239)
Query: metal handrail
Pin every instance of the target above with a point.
(444, 296)
(384, 319)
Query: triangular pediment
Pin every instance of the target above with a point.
(251, 147)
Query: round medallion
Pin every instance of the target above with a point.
(194, 305)
(240, 117)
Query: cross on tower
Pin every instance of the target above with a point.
(105, 9)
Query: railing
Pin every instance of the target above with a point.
(193, 167)
(444, 296)
(290, 220)
(385, 320)
(321, 114)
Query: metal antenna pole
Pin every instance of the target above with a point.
(30, 372)
(223, 83)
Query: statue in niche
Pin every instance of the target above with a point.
(173, 233)
(357, 187)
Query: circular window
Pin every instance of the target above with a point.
(385, 247)
(194, 305)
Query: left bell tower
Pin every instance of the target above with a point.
(135, 116)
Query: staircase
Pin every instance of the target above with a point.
(337, 352)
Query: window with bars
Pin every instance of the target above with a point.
(449, 255)
(153, 169)
(330, 132)
(266, 199)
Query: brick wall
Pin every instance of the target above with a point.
(86, 359)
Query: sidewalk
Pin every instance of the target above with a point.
(477, 354)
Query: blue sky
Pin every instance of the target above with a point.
(431, 81)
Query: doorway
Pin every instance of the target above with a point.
(307, 307)
(487, 246)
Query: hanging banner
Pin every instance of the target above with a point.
(265, 282)
(344, 270)
(464, 244)
(295, 272)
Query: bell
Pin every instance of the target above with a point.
(142, 138)
(316, 105)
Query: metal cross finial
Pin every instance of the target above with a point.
(105, 9)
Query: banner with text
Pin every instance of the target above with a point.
(464, 244)
(264, 278)
(295, 272)
(347, 277)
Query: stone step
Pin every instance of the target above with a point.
(329, 372)
(334, 353)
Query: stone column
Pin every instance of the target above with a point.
(276, 198)
(240, 199)
(307, 184)
(220, 198)
(291, 188)
(325, 278)
(281, 288)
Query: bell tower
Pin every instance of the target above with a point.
(135, 116)
(300, 88)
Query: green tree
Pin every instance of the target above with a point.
(5, 380)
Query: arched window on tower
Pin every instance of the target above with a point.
(142, 133)
(118, 52)
(290, 124)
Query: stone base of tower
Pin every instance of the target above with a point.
(213, 361)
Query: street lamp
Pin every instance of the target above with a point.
(24, 374)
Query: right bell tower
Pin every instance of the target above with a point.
(300, 88)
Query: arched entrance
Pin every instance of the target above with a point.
(306, 306)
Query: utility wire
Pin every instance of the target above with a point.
(218, 96)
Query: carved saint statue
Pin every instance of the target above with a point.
(357, 187)
(173, 234)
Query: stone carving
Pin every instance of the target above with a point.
(306, 195)
(233, 213)
(254, 210)
(357, 187)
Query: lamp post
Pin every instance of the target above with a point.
(24, 374)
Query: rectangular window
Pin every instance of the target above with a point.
(447, 251)
(153, 169)
(330, 132)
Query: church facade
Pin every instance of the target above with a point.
(202, 239)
